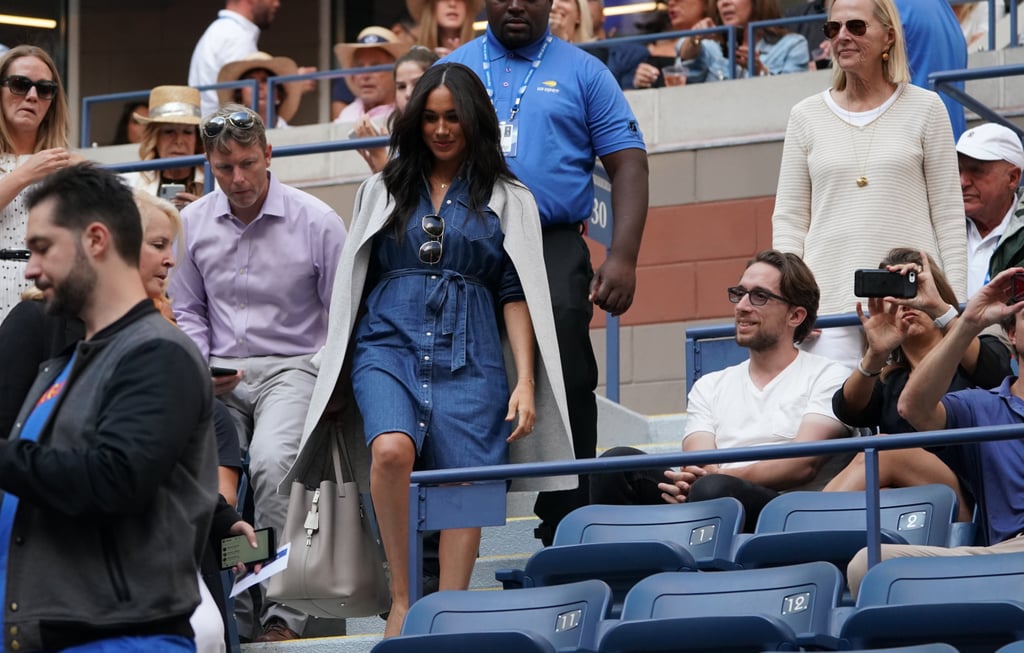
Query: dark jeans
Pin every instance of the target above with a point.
(640, 487)
(569, 273)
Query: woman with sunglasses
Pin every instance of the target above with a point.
(899, 335)
(867, 165)
(442, 271)
(34, 128)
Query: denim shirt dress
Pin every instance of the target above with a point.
(427, 357)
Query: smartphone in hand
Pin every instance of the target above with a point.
(237, 549)
(222, 371)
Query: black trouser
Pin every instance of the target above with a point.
(569, 273)
(640, 487)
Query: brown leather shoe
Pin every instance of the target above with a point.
(276, 631)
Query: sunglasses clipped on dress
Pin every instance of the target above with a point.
(431, 250)
(855, 27)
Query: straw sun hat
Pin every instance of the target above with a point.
(370, 37)
(177, 105)
(278, 66)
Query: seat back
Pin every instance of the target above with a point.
(921, 515)
(801, 596)
(501, 641)
(705, 528)
(566, 615)
(619, 564)
(975, 603)
(995, 577)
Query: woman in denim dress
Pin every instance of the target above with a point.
(428, 372)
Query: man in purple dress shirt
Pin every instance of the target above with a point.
(252, 289)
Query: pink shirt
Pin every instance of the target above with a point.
(353, 112)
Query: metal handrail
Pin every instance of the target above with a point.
(944, 81)
(87, 102)
(481, 481)
(788, 20)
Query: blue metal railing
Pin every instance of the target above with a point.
(475, 496)
(87, 102)
(944, 81)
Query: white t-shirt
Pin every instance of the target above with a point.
(728, 404)
(232, 37)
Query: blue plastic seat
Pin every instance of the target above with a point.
(975, 603)
(831, 526)
(935, 647)
(623, 544)
(567, 616)
(782, 608)
(502, 641)
(619, 564)
(705, 528)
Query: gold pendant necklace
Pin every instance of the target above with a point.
(862, 179)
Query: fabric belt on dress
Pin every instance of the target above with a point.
(453, 320)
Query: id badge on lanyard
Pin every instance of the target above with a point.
(509, 138)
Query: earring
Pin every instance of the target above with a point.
(885, 56)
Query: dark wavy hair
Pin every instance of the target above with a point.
(484, 164)
(797, 285)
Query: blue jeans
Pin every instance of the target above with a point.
(153, 644)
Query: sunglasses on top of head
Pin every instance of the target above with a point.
(243, 120)
(856, 27)
(21, 85)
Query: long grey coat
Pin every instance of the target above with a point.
(550, 440)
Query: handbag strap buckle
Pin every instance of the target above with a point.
(312, 523)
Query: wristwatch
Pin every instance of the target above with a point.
(943, 320)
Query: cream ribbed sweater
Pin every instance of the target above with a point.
(912, 198)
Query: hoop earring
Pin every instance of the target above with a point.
(885, 56)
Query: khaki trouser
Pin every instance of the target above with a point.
(859, 565)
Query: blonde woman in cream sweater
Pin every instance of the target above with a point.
(867, 165)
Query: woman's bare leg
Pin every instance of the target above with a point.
(457, 555)
(902, 468)
(393, 455)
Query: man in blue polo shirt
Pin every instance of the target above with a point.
(559, 108)
(994, 470)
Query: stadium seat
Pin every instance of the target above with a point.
(782, 608)
(501, 641)
(975, 603)
(619, 564)
(705, 528)
(567, 616)
(704, 532)
(831, 526)
(1013, 647)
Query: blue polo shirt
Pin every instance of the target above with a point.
(994, 470)
(934, 42)
(571, 111)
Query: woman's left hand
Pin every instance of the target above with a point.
(927, 298)
(521, 403)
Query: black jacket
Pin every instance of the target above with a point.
(116, 496)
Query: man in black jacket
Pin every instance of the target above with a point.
(109, 477)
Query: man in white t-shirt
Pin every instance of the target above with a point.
(780, 394)
(231, 37)
(991, 158)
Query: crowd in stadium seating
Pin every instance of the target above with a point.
(452, 321)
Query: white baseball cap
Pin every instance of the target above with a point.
(992, 142)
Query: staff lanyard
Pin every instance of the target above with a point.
(534, 65)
